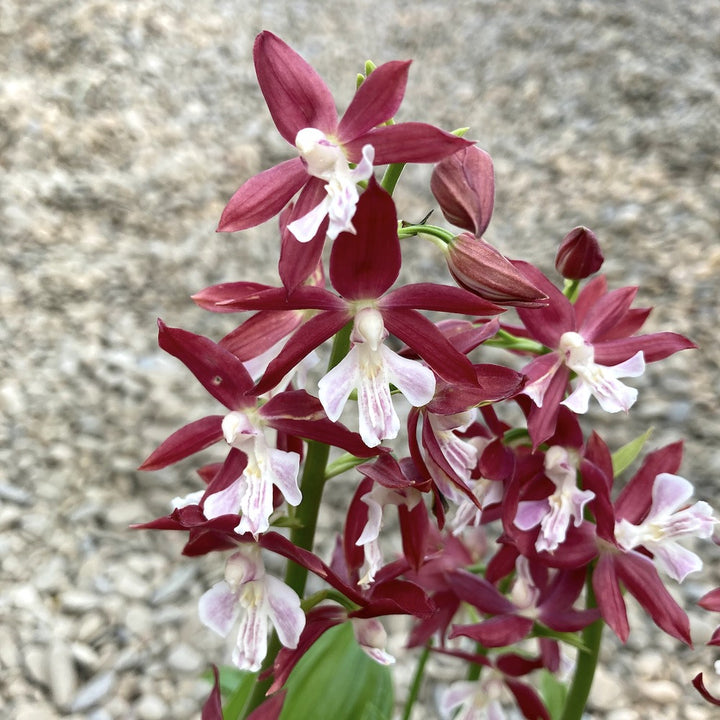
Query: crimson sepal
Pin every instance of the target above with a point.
(220, 372)
(699, 684)
(239, 296)
(186, 441)
(295, 94)
(445, 298)
(406, 142)
(357, 517)
(261, 332)
(298, 413)
(212, 708)
(710, 600)
(415, 533)
(376, 100)
(364, 264)
(270, 708)
(317, 622)
(263, 196)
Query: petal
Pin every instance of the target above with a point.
(335, 387)
(670, 492)
(218, 608)
(256, 504)
(295, 94)
(376, 100)
(415, 381)
(377, 417)
(656, 346)
(225, 502)
(251, 647)
(678, 562)
(305, 228)
(221, 373)
(284, 611)
(408, 142)
(263, 196)
(366, 263)
(285, 466)
(186, 441)
(530, 513)
(445, 298)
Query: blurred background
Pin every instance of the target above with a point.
(125, 126)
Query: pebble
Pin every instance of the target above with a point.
(63, 677)
(36, 664)
(185, 659)
(151, 707)
(93, 691)
(662, 692)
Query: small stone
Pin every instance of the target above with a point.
(185, 659)
(93, 691)
(35, 659)
(85, 656)
(9, 652)
(78, 602)
(151, 707)
(659, 691)
(63, 678)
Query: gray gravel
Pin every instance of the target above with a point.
(124, 128)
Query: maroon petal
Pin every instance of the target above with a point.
(609, 598)
(260, 333)
(295, 94)
(212, 709)
(221, 373)
(478, 592)
(699, 685)
(263, 196)
(444, 298)
(542, 420)
(270, 708)
(606, 313)
(656, 346)
(710, 600)
(639, 576)
(298, 413)
(233, 467)
(298, 260)
(364, 264)
(408, 142)
(240, 296)
(464, 185)
(305, 339)
(430, 344)
(186, 441)
(528, 700)
(376, 100)
(496, 632)
(415, 533)
(548, 323)
(634, 501)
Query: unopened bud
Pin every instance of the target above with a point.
(464, 185)
(579, 255)
(479, 267)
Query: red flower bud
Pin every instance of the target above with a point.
(479, 267)
(464, 185)
(579, 255)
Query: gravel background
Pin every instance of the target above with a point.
(124, 128)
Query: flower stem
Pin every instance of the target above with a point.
(391, 176)
(586, 663)
(416, 683)
(303, 536)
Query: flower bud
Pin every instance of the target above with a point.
(479, 267)
(579, 255)
(464, 185)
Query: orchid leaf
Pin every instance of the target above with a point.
(625, 456)
(236, 686)
(554, 694)
(337, 680)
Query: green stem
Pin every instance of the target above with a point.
(586, 663)
(416, 683)
(440, 236)
(391, 176)
(303, 536)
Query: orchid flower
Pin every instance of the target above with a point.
(363, 267)
(555, 513)
(594, 338)
(669, 518)
(304, 113)
(249, 592)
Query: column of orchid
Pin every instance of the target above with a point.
(516, 542)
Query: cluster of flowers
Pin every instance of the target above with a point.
(544, 492)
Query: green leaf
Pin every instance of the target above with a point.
(553, 693)
(237, 686)
(623, 458)
(336, 680)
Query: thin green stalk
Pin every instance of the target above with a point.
(586, 663)
(416, 683)
(391, 176)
